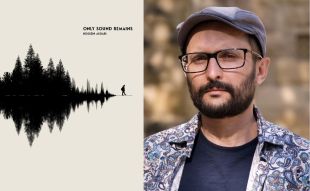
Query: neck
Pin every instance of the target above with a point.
(230, 131)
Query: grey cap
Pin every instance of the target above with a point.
(243, 20)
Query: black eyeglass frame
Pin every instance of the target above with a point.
(214, 55)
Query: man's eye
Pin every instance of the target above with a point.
(199, 57)
(228, 55)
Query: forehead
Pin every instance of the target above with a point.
(218, 35)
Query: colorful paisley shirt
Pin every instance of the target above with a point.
(281, 160)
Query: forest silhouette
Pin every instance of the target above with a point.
(32, 95)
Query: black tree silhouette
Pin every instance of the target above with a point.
(32, 95)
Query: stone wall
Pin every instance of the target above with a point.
(284, 96)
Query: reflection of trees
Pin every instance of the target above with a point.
(32, 95)
(33, 111)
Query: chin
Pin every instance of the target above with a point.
(215, 102)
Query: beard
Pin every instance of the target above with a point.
(240, 97)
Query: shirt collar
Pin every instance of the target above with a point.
(267, 131)
(184, 141)
(184, 135)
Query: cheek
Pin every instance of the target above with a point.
(195, 81)
(248, 73)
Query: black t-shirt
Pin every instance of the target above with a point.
(216, 168)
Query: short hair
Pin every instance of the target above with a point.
(254, 46)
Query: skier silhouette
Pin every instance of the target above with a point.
(123, 90)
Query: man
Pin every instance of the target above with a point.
(228, 145)
(123, 90)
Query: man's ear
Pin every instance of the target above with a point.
(262, 68)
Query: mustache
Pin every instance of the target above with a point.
(216, 84)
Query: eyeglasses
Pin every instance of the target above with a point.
(227, 59)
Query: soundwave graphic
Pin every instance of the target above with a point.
(32, 95)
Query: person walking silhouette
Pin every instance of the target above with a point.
(123, 90)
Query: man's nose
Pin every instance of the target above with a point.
(214, 72)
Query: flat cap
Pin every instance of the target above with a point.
(243, 20)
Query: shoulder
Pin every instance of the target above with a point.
(182, 132)
(287, 155)
(278, 135)
(282, 136)
(158, 142)
(164, 151)
(163, 136)
(157, 148)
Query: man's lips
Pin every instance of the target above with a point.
(215, 90)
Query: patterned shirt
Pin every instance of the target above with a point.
(281, 160)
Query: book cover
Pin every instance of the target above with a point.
(71, 95)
